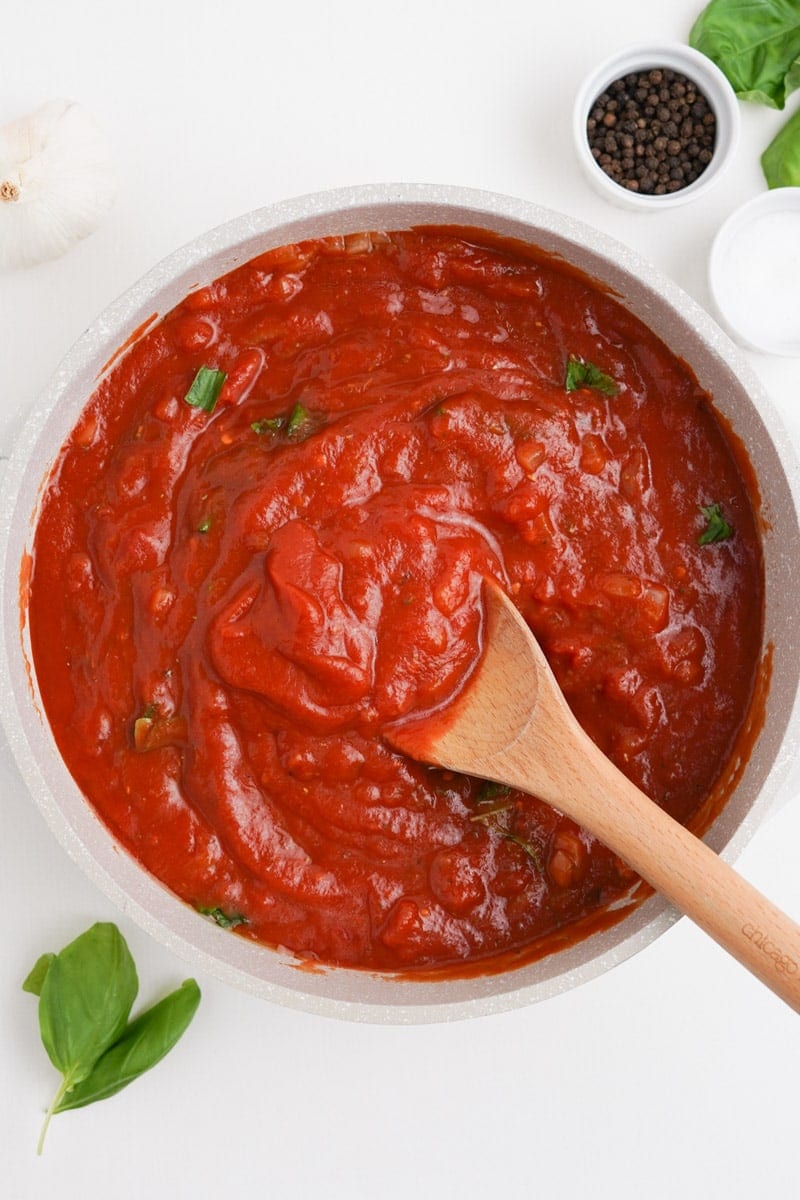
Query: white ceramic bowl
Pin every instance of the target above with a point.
(754, 272)
(645, 57)
(667, 310)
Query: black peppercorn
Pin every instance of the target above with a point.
(664, 131)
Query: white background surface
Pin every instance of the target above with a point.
(672, 1076)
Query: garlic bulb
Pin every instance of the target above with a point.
(56, 182)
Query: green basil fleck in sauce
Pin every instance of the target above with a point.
(205, 389)
(717, 528)
(585, 374)
(223, 919)
(297, 424)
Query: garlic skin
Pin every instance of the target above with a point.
(56, 182)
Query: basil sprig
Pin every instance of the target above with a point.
(205, 389)
(142, 1044)
(86, 993)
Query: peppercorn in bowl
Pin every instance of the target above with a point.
(655, 126)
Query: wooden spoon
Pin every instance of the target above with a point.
(512, 724)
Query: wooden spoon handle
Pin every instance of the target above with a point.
(707, 889)
(680, 866)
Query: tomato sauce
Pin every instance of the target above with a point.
(228, 608)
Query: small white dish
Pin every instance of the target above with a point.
(754, 273)
(646, 57)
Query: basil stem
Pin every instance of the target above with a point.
(533, 852)
(487, 813)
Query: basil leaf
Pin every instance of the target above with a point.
(86, 998)
(144, 1043)
(205, 389)
(757, 45)
(585, 374)
(35, 978)
(717, 528)
(780, 161)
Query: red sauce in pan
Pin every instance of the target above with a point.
(228, 608)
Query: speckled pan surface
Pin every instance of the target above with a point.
(688, 330)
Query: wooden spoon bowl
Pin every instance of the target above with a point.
(511, 724)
